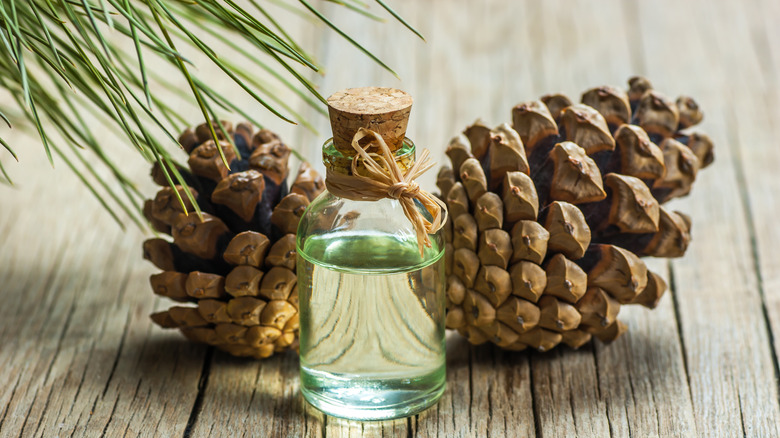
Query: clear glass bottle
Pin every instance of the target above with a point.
(371, 308)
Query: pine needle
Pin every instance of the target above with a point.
(347, 37)
(5, 175)
(68, 70)
(5, 119)
(400, 19)
(8, 148)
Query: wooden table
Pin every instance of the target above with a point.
(79, 355)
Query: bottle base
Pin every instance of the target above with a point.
(371, 399)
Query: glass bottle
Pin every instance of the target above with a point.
(371, 307)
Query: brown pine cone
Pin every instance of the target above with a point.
(549, 216)
(233, 267)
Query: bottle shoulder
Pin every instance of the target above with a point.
(371, 235)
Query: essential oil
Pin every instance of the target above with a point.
(372, 328)
(371, 268)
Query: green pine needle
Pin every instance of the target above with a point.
(347, 37)
(7, 179)
(64, 62)
(400, 19)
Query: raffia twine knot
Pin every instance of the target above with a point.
(384, 179)
(399, 189)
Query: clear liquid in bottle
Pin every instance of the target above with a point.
(372, 325)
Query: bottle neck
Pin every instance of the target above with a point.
(338, 162)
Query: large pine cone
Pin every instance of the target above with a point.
(236, 264)
(550, 215)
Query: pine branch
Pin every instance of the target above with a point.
(64, 62)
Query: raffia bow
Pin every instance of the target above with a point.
(385, 179)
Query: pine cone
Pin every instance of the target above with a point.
(236, 265)
(549, 215)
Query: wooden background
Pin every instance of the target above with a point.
(79, 355)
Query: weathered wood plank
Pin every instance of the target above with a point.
(501, 393)
(341, 428)
(247, 397)
(589, 47)
(756, 122)
(566, 396)
(734, 371)
(567, 401)
(752, 134)
(449, 417)
(727, 349)
(75, 356)
(488, 394)
(488, 390)
(644, 375)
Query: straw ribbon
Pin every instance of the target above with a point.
(384, 179)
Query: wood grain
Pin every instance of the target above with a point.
(79, 356)
(728, 377)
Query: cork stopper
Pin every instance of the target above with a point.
(384, 110)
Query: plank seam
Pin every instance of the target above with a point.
(598, 390)
(54, 358)
(678, 322)
(118, 355)
(628, 423)
(573, 409)
(633, 398)
(452, 407)
(490, 393)
(129, 420)
(744, 198)
(534, 408)
(123, 287)
(490, 406)
(110, 417)
(8, 406)
(471, 387)
(65, 328)
(160, 420)
(78, 422)
(255, 386)
(202, 384)
(741, 413)
(655, 408)
(81, 383)
(27, 414)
